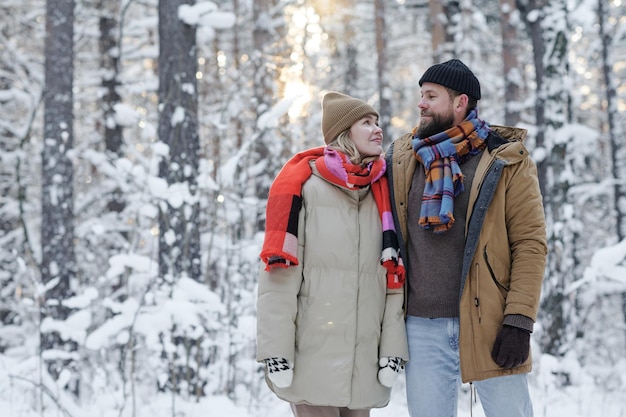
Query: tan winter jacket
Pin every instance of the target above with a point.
(505, 248)
(332, 315)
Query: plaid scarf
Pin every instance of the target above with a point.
(441, 156)
(280, 247)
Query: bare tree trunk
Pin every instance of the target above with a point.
(58, 259)
(444, 14)
(109, 61)
(384, 91)
(527, 8)
(262, 38)
(264, 91)
(179, 237)
(179, 242)
(611, 110)
(437, 30)
(352, 52)
(512, 73)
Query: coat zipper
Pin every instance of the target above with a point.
(477, 298)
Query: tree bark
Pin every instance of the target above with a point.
(512, 72)
(437, 29)
(443, 15)
(611, 112)
(179, 241)
(384, 90)
(530, 8)
(58, 259)
(109, 61)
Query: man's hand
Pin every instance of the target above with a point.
(512, 347)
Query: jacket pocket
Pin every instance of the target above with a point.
(504, 289)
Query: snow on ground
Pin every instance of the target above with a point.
(587, 401)
(588, 398)
(585, 394)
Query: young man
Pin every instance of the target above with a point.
(470, 221)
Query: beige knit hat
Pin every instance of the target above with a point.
(339, 112)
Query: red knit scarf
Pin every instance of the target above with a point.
(280, 248)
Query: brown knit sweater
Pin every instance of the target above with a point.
(435, 260)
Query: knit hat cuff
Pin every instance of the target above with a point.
(455, 75)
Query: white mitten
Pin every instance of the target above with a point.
(279, 371)
(390, 368)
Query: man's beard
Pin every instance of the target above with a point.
(438, 123)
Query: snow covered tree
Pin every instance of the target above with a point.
(267, 29)
(569, 163)
(547, 22)
(179, 245)
(21, 90)
(110, 49)
(58, 259)
(382, 73)
(442, 37)
(600, 295)
(109, 52)
(613, 128)
(509, 23)
(179, 238)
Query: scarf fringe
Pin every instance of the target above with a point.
(396, 273)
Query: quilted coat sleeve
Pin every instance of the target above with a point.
(393, 341)
(277, 306)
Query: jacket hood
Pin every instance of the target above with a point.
(510, 133)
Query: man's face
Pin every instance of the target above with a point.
(436, 110)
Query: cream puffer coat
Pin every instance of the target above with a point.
(332, 315)
(505, 244)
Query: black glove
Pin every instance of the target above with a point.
(511, 347)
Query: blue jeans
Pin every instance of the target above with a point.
(433, 375)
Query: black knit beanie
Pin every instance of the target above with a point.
(455, 75)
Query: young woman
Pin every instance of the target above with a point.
(330, 318)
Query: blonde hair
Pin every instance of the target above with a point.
(343, 143)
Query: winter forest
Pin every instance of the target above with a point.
(139, 138)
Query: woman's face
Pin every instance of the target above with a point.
(367, 136)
